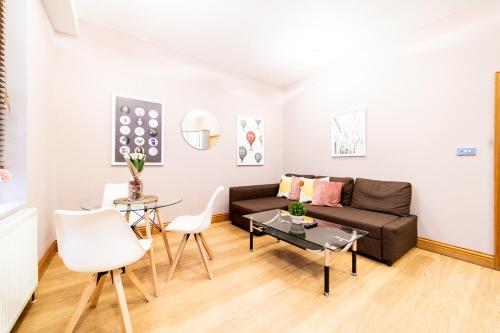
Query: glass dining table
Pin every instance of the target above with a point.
(139, 213)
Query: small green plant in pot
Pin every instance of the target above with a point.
(297, 211)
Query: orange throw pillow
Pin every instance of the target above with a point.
(327, 193)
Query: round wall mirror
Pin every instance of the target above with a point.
(200, 129)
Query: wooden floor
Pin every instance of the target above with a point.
(278, 288)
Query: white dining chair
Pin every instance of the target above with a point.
(194, 225)
(99, 242)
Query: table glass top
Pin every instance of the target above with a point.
(325, 235)
(162, 202)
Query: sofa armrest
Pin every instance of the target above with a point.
(398, 237)
(252, 192)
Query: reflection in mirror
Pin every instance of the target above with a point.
(200, 129)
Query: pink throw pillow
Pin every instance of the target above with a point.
(295, 190)
(327, 193)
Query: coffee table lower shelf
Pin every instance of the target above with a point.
(316, 249)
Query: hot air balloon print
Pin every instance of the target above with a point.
(258, 157)
(257, 121)
(250, 138)
(243, 124)
(243, 152)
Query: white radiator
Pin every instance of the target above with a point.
(18, 265)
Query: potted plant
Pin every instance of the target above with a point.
(297, 211)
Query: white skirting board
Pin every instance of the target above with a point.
(18, 264)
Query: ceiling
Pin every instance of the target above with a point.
(278, 41)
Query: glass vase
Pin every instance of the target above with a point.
(135, 188)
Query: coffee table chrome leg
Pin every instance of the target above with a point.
(354, 252)
(326, 256)
(251, 236)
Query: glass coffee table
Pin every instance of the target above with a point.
(322, 239)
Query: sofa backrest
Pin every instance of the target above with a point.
(347, 188)
(382, 196)
(297, 175)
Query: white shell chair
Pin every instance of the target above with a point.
(194, 225)
(99, 242)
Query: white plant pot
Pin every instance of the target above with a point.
(297, 219)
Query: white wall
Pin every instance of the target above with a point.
(40, 144)
(101, 62)
(422, 105)
(66, 84)
(17, 86)
(29, 55)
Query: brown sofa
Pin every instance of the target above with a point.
(380, 207)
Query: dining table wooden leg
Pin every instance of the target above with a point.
(151, 252)
(164, 235)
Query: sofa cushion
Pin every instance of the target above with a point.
(295, 189)
(285, 187)
(346, 189)
(258, 205)
(327, 193)
(372, 222)
(382, 196)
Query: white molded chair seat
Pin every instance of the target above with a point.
(96, 241)
(146, 243)
(184, 224)
(194, 225)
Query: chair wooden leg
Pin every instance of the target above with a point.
(205, 244)
(138, 232)
(177, 256)
(203, 255)
(151, 253)
(135, 281)
(82, 303)
(98, 290)
(164, 235)
(122, 301)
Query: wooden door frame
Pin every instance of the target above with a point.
(496, 167)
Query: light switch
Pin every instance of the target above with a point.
(466, 151)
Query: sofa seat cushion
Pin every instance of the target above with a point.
(372, 222)
(258, 205)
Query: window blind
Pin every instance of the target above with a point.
(4, 102)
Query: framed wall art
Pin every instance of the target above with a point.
(137, 123)
(349, 134)
(250, 140)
